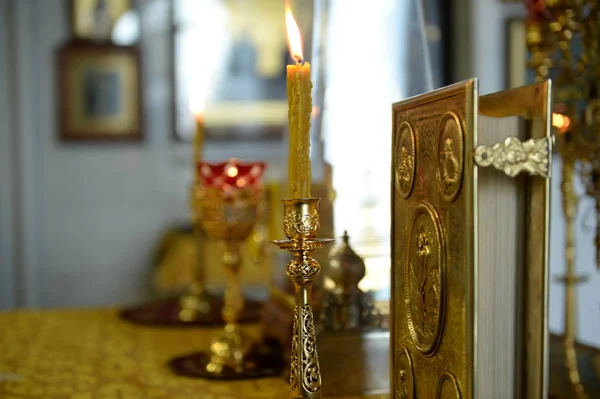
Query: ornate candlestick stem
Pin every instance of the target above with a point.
(301, 226)
(196, 301)
(234, 300)
(571, 279)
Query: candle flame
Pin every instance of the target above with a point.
(316, 111)
(294, 38)
(561, 122)
(197, 106)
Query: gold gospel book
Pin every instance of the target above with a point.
(470, 202)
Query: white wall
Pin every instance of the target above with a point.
(487, 24)
(79, 222)
(7, 294)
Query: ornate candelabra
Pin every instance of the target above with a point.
(301, 226)
(563, 37)
(228, 212)
(198, 305)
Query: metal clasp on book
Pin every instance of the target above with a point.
(513, 156)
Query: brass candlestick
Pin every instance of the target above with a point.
(197, 302)
(301, 226)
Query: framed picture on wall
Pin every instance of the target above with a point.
(229, 63)
(96, 19)
(99, 88)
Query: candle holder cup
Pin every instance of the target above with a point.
(301, 226)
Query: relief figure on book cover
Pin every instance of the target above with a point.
(424, 279)
(448, 387)
(450, 156)
(405, 376)
(405, 159)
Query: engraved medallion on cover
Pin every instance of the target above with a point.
(425, 279)
(405, 159)
(450, 156)
(448, 387)
(405, 376)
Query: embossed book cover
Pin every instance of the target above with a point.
(470, 194)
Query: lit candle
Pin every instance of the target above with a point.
(299, 110)
(197, 107)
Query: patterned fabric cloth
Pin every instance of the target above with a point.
(92, 354)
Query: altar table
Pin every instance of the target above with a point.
(93, 354)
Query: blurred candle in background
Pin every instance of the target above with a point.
(197, 107)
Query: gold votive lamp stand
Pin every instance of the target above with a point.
(227, 210)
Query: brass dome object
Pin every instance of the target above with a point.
(346, 268)
(346, 306)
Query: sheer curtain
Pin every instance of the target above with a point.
(376, 56)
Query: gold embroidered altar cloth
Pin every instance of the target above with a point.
(92, 354)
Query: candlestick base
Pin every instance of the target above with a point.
(261, 360)
(195, 304)
(168, 312)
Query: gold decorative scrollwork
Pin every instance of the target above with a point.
(512, 157)
(303, 269)
(298, 223)
(294, 355)
(311, 374)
